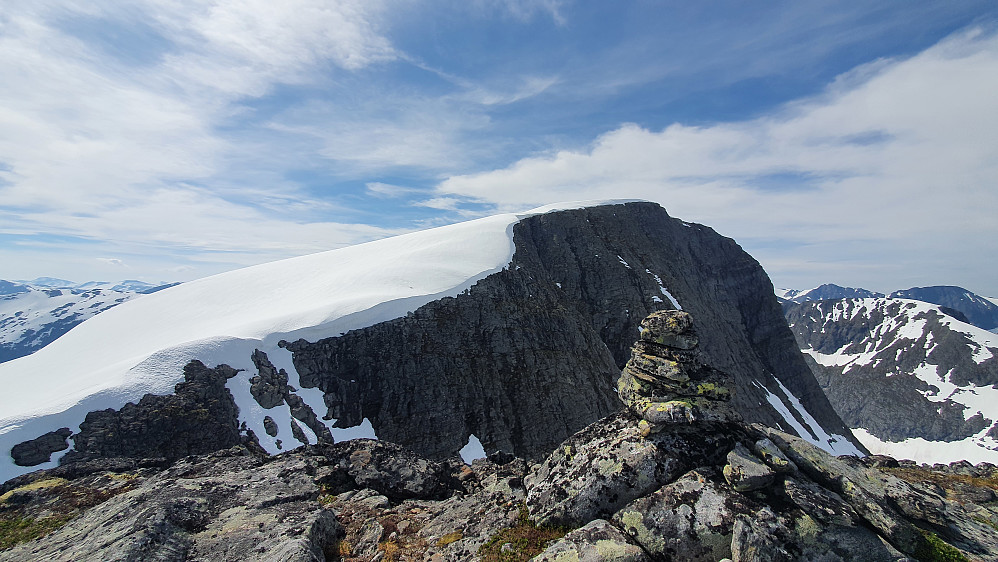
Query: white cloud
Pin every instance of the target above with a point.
(112, 262)
(896, 155)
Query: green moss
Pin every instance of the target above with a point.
(526, 539)
(937, 550)
(16, 530)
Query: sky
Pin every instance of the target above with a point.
(165, 140)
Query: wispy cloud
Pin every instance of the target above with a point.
(893, 159)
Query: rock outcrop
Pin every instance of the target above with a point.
(199, 418)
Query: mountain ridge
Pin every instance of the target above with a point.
(731, 294)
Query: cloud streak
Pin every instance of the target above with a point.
(897, 158)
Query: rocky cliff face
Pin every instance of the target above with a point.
(899, 370)
(540, 344)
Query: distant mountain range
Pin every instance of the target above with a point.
(962, 304)
(913, 374)
(34, 313)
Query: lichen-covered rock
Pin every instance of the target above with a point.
(226, 506)
(666, 382)
(596, 541)
(744, 472)
(603, 467)
(689, 519)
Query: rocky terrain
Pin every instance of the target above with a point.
(907, 376)
(703, 486)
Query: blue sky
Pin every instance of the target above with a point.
(845, 142)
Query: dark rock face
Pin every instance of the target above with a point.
(270, 388)
(978, 311)
(891, 340)
(39, 450)
(200, 418)
(530, 355)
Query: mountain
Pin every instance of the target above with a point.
(911, 380)
(980, 311)
(825, 292)
(709, 487)
(35, 313)
(32, 317)
(508, 331)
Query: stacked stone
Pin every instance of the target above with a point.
(665, 382)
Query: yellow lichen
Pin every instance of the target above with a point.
(36, 485)
(450, 538)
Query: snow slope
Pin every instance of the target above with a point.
(141, 346)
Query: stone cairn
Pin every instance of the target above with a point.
(665, 381)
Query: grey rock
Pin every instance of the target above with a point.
(40, 449)
(600, 469)
(270, 426)
(200, 417)
(689, 519)
(596, 541)
(744, 472)
(389, 469)
(771, 455)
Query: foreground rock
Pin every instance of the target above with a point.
(702, 487)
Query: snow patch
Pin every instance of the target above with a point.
(661, 287)
(813, 433)
(975, 449)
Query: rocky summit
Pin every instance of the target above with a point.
(634, 486)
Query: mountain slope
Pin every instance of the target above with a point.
(509, 330)
(980, 312)
(911, 380)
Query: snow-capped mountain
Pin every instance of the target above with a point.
(31, 318)
(509, 331)
(825, 292)
(911, 380)
(980, 311)
(34, 313)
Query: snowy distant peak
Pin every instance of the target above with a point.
(33, 317)
(50, 282)
(826, 292)
(8, 288)
(916, 381)
(980, 311)
(126, 286)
